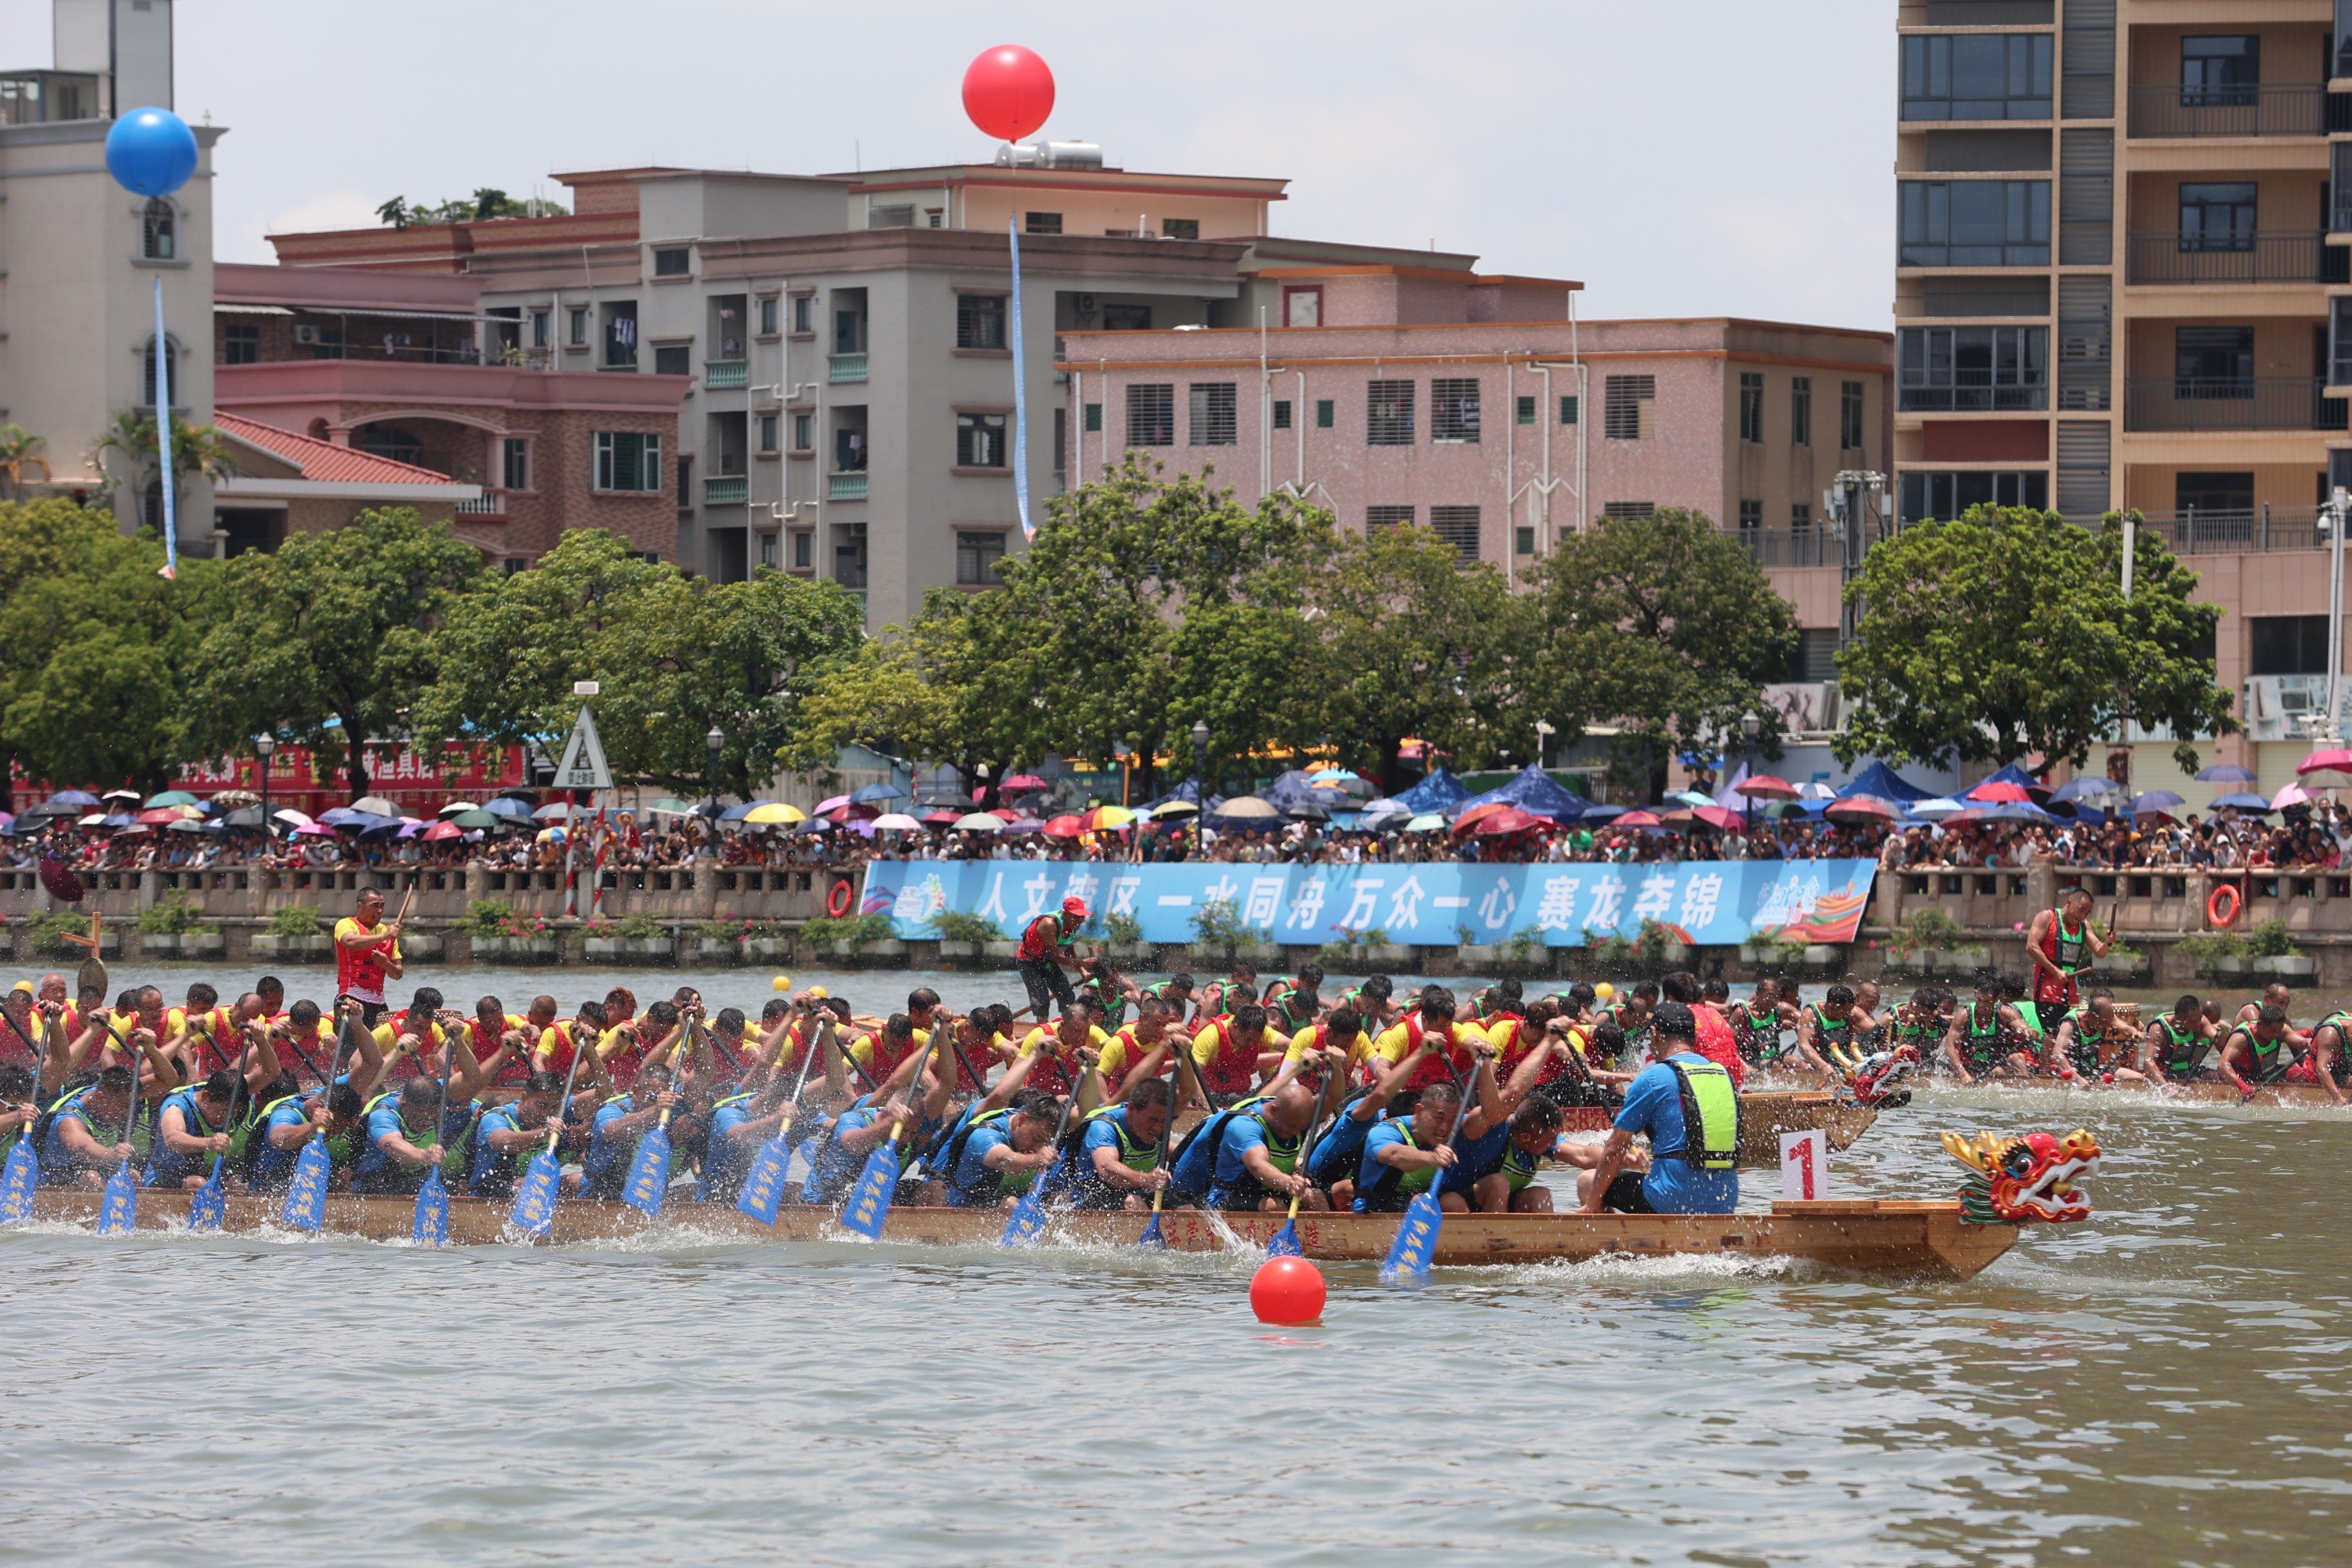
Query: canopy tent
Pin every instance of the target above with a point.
(1439, 792)
(1534, 792)
(1884, 782)
(2013, 773)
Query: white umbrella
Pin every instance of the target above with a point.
(454, 806)
(1935, 810)
(298, 818)
(899, 821)
(980, 821)
(375, 805)
(1429, 821)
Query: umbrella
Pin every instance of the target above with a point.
(1718, 816)
(2155, 800)
(1427, 822)
(738, 813)
(2090, 786)
(292, 817)
(476, 819)
(1024, 824)
(1815, 791)
(1248, 808)
(133, 831)
(836, 804)
(1065, 826)
(941, 818)
(2294, 795)
(1175, 808)
(1998, 791)
(65, 801)
(118, 819)
(898, 822)
(774, 811)
(1107, 816)
(2334, 760)
(410, 827)
(2226, 772)
(169, 798)
(2014, 811)
(1639, 819)
(1693, 798)
(95, 819)
(1936, 809)
(452, 807)
(551, 836)
(244, 817)
(553, 811)
(1020, 781)
(668, 806)
(2242, 801)
(375, 805)
(878, 792)
(234, 798)
(980, 821)
(129, 794)
(815, 824)
(187, 825)
(1605, 814)
(1861, 808)
(440, 831)
(313, 830)
(162, 816)
(1511, 819)
(513, 810)
(1477, 814)
(1764, 786)
(341, 816)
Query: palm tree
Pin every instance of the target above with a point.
(196, 450)
(20, 450)
(394, 212)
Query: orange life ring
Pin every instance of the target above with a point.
(837, 902)
(2216, 911)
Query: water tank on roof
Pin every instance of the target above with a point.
(1071, 155)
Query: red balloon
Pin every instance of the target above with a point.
(1008, 91)
(1286, 1291)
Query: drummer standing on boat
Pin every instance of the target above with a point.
(367, 954)
(2062, 944)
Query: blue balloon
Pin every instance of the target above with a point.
(150, 152)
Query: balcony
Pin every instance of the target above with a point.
(1791, 547)
(845, 487)
(492, 505)
(2170, 111)
(2253, 403)
(726, 489)
(2268, 256)
(2261, 530)
(844, 367)
(720, 374)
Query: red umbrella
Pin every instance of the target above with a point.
(1478, 814)
(1020, 781)
(440, 831)
(161, 816)
(1511, 819)
(1764, 786)
(1870, 808)
(2337, 760)
(1998, 791)
(1718, 816)
(1638, 819)
(940, 818)
(1007, 812)
(1064, 827)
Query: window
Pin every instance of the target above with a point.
(1152, 414)
(848, 332)
(673, 359)
(2212, 492)
(1950, 495)
(1974, 368)
(980, 321)
(1850, 416)
(976, 558)
(1302, 305)
(539, 327)
(1523, 541)
(514, 463)
(1324, 412)
(2218, 217)
(769, 432)
(1523, 409)
(1093, 421)
(1282, 413)
(768, 317)
(1388, 414)
(621, 335)
(2287, 644)
(1213, 415)
(1629, 509)
(1127, 318)
(890, 215)
(2221, 72)
(803, 432)
(1751, 517)
(1975, 223)
(849, 448)
(1751, 406)
(805, 314)
(672, 261)
(2213, 362)
(1042, 223)
(1453, 410)
(171, 372)
(1801, 411)
(686, 484)
(159, 231)
(628, 460)
(979, 440)
(1977, 76)
(766, 550)
(1814, 659)
(578, 327)
(1180, 228)
(240, 344)
(803, 552)
(1458, 526)
(1629, 408)
(1568, 409)
(393, 441)
(1379, 516)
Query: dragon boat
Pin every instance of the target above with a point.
(2013, 1182)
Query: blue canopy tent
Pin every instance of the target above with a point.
(1534, 792)
(1884, 782)
(1438, 791)
(2013, 773)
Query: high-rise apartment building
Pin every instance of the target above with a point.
(2121, 247)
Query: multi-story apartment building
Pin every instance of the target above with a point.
(849, 401)
(2123, 241)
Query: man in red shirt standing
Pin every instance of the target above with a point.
(1047, 948)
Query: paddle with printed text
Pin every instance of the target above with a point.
(209, 1207)
(868, 1205)
(543, 1180)
(763, 1183)
(1284, 1243)
(21, 1178)
(1416, 1237)
(1027, 1221)
(429, 1226)
(306, 1193)
(647, 1187)
(1152, 1235)
(118, 1208)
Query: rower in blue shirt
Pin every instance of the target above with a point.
(1687, 1107)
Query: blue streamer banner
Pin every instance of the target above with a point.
(1709, 903)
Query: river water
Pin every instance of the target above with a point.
(2166, 1382)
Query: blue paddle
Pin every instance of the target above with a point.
(118, 1208)
(430, 1225)
(306, 1193)
(763, 1184)
(543, 1180)
(1027, 1221)
(647, 1187)
(1416, 1237)
(21, 1178)
(868, 1205)
(1284, 1243)
(209, 1207)
(1152, 1236)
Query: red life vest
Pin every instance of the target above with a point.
(1223, 1074)
(1451, 1062)
(485, 1045)
(360, 971)
(1052, 1072)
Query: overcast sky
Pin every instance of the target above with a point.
(1681, 157)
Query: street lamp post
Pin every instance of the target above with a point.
(1750, 726)
(1544, 732)
(1126, 755)
(1201, 756)
(263, 745)
(715, 740)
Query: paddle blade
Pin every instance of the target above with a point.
(117, 1211)
(209, 1207)
(18, 1182)
(1415, 1243)
(430, 1226)
(1152, 1236)
(763, 1188)
(535, 1195)
(869, 1200)
(648, 1183)
(306, 1195)
(1026, 1223)
(1284, 1243)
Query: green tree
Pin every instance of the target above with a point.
(332, 640)
(2005, 635)
(197, 450)
(939, 689)
(1661, 627)
(1413, 641)
(20, 453)
(96, 649)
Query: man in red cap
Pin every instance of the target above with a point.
(1047, 948)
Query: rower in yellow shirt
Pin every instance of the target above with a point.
(1231, 1053)
(1454, 1041)
(1342, 1029)
(1056, 1048)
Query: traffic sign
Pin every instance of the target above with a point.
(583, 765)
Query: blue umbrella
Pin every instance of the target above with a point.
(878, 792)
(506, 806)
(2242, 801)
(2226, 772)
(738, 813)
(73, 797)
(2154, 801)
(2090, 786)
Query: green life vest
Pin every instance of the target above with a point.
(2074, 947)
(1132, 1153)
(2182, 1048)
(1981, 1042)
(1839, 1031)
(1711, 1105)
(1415, 1182)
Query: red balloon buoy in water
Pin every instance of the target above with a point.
(1287, 1290)
(1008, 91)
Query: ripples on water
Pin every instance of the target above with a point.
(2165, 1383)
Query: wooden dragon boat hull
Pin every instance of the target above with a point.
(2197, 1091)
(1927, 1240)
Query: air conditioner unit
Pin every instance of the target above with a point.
(309, 336)
(1086, 303)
